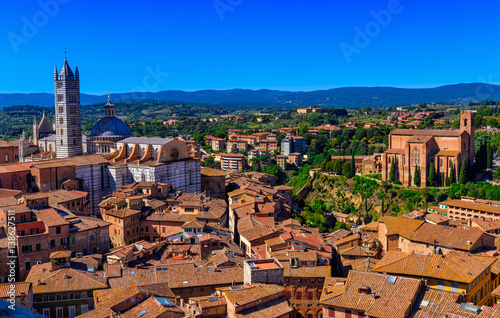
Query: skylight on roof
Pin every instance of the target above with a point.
(132, 272)
(184, 281)
(163, 301)
(424, 303)
(142, 313)
(212, 298)
(391, 279)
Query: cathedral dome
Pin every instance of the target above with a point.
(110, 127)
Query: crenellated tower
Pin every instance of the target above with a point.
(67, 112)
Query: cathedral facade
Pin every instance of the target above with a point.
(109, 157)
(413, 150)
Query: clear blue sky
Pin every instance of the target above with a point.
(221, 44)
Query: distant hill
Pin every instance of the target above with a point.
(350, 97)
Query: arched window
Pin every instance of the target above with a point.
(61, 121)
(6, 157)
(465, 122)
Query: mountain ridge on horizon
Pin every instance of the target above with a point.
(348, 97)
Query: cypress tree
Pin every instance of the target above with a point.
(416, 177)
(463, 173)
(489, 155)
(392, 173)
(451, 177)
(432, 175)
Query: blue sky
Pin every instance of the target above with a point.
(122, 46)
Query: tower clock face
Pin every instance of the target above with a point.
(174, 153)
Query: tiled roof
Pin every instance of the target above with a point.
(450, 237)
(209, 172)
(18, 208)
(346, 239)
(311, 256)
(422, 132)
(361, 264)
(252, 293)
(404, 227)
(50, 217)
(123, 212)
(487, 225)
(275, 308)
(193, 225)
(392, 300)
(275, 241)
(15, 167)
(9, 193)
(182, 275)
(60, 254)
(258, 232)
(306, 271)
(455, 266)
(473, 206)
(454, 311)
(448, 153)
(209, 301)
(19, 289)
(434, 303)
(65, 279)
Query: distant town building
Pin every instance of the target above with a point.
(232, 161)
(293, 144)
(309, 110)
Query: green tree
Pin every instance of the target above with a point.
(451, 177)
(338, 166)
(496, 173)
(392, 173)
(346, 169)
(416, 176)
(489, 155)
(234, 148)
(462, 179)
(432, 175)
(210, 163)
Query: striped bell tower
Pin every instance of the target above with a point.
(67, 112)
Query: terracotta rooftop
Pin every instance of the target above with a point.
(393, 296)
(434, 303)
(64, 280)
(400, 226)
(449, 237)
(422, 132)
(15, 167)
(19, 290)
(249, 294)
(209, 301)
(473, 206)
(306, 271)
(455, 266)
(50, 217)
(209, 172)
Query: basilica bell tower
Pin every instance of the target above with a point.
(67, 113)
